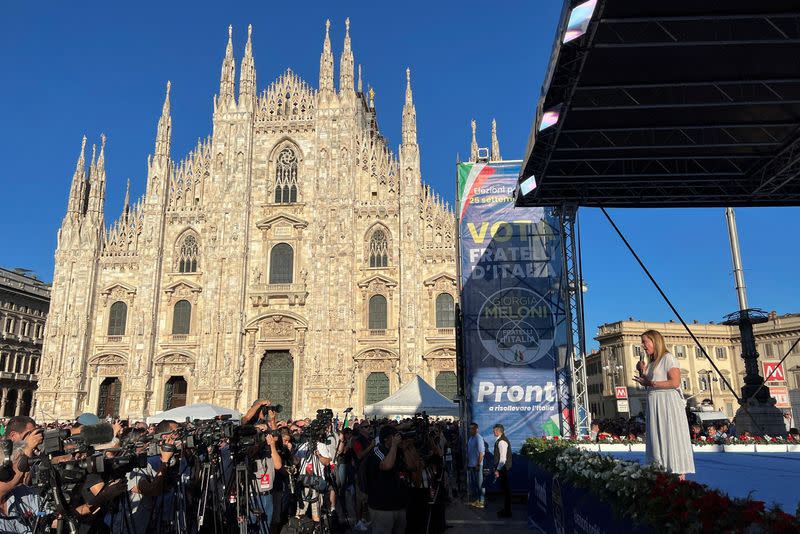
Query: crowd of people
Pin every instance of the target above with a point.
(262, 474)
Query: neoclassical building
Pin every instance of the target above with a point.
(291, 255)
(24, 301)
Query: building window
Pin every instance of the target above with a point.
(446, 384)
(34, 365)
(25, 329)
(721, 352)
(377, 388)
(3, 361)
(768, 350)
(377, 312)
(117, 317)
(281, 264)
(188, 254)
(685, 384)
(9, 327)
(698, 352)
(680, 351)
(181, 317)
(109, 396)
(378, 249)
(175, 393)
(702, 382)
(445, 311)
(286, 177)
(20, 359)
(638, 352)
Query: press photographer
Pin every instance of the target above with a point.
(267, 462)
(315, 455)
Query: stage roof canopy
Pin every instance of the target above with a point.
(669, 103)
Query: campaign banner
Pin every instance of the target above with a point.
(556, 506)
(512, 329)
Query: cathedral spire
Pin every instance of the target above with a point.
(164, 131)
(97, 180)
(76, 191)
(227, 77)
(247, 74)
(409, 115)
(360, 86)
(473, 147)
(126, 206)
(495, 143)
(326, 62)
(346, 62)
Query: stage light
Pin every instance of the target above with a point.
(528, 185)
(549, 118)
(579, 20)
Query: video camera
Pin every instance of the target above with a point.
(67, 459)
(318, 429)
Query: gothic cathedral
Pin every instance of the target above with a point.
(291, 256)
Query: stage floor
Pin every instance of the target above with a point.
(768, 477)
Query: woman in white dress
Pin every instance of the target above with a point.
(667, 434)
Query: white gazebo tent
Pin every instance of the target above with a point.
(416, 396)
(201, 411)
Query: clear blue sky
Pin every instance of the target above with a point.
(100, 67)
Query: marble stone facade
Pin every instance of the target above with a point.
(292, 166)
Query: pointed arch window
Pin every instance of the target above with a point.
(281, 264)
(445, 311)
(286, 177)
(378, 249)
(377, 312)
(117, 317)
(188, 254)
(181, 317)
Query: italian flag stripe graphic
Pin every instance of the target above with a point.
(470, 178)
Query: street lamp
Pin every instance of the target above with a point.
(709, 374)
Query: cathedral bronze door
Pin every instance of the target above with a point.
(108, 404)
(175, 393)
(276, 379)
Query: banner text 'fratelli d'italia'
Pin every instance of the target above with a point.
(513, 321)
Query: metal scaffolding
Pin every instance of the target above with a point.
(571, 370)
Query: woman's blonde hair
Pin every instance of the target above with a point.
(659, 345)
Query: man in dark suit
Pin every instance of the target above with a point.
(502, 465)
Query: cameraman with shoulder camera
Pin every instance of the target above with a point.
(315, 456)
(19, 503)
(146, 483)
(387, 492)
(95, 493)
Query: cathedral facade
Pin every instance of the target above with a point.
(291, 256)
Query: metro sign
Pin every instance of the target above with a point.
(778, 375)
(621, 392)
